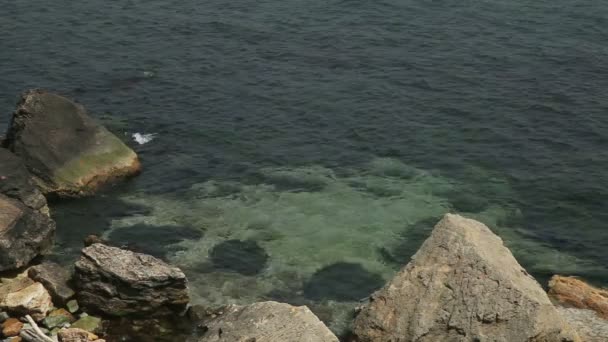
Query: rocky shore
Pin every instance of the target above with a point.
(463, 284)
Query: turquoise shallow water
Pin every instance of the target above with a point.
(304, 149)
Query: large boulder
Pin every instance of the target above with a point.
(68, 153)
(26, 229)
(119, 282)
(462, 285)
(264, 322)
(24, 233)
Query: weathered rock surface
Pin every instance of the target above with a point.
(68, 153)
(120, 282)
(462, 285)
(575, 292)
(265, 322)
(11, 327)
(33, 300)
(589, 326)
(55, 279)
(16, 182)
(75, 335)
(24, 233)
(88, 323)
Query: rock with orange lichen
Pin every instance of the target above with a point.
(574, 292)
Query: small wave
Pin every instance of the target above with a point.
(143, 138)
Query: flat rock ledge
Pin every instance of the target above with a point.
(462, 285)
(264, 322)
(119, 282)
(68, 153)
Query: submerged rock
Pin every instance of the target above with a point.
(119, 282)
(68, 153)
(24, 233)
(33, 300)
(342, 281)
(244, 257)
(264, 322)
(55, 279)
(462, 285)
(575, 292)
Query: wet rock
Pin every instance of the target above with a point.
(57, 318)
(91, 324)
(24, 233)
(33, 300)
(76, 335)
(342, 281)
(68, 153)
(55, 279)
(244, 257)
(11, 327)
(72, 306)
(153, 240)
(264, 322)
(575, 292)
(120, 282)
(3, 316)
(462, 285)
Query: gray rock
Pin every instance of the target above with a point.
(24, 233)
(3, 316)
(68, 153)
(589, 325)
(119, 282)
(264, 322)
(55, 279)
(26, 229)
(462, 285)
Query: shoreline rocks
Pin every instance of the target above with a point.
(264, 322)
(26, 229)
(571, 291)
(68, 153)
(119, 282)
(55, 279)
(463, 284)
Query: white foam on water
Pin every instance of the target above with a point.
(143, 138)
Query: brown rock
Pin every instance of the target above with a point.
(76, 335)
(462, 285)
(33, 300)
(120, 282)
(575, 292)
(11, 327)
(68, 153)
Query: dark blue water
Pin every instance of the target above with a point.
(275, 108)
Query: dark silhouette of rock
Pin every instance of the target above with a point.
(245, 257)
(264, 322)
(68, 153)
(153, 240)
(462, 285)
(24, 233)
(342, 281)
(119, 282)
(26, 229)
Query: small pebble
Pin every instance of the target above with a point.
(4, 316)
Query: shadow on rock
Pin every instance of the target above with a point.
(244, 257)
(342, 281)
